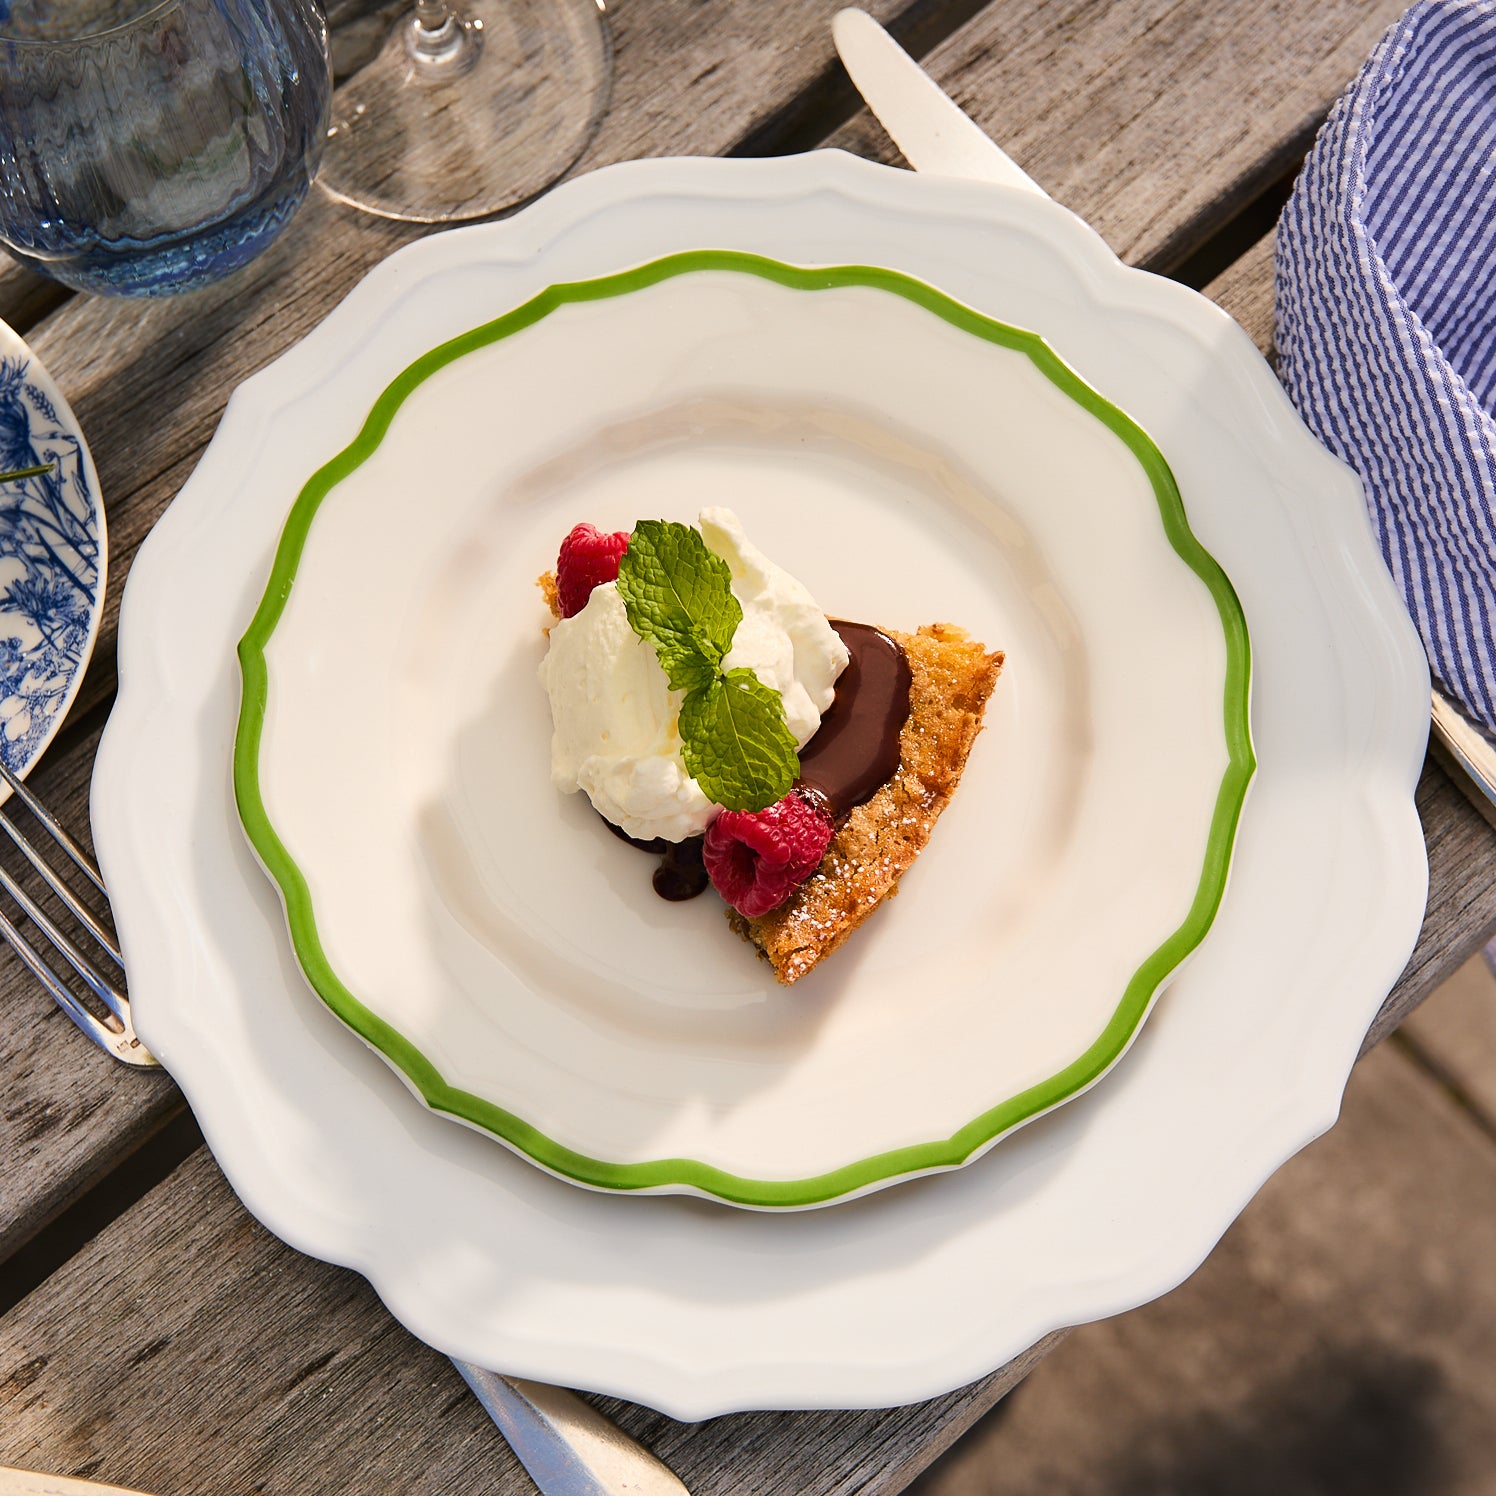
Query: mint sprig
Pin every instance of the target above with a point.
(678, 596)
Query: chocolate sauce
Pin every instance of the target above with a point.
(855, 751)
(681, 874)
(654, 844)
(857, 747)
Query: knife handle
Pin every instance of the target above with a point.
(567, 1446)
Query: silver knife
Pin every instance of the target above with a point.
(938, 137)
(568, 1447)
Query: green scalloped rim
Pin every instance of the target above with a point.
(945, 1153)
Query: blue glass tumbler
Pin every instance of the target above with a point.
(150, 146)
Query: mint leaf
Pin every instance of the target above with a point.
(735, 743)
(685, 666)
(678, 595)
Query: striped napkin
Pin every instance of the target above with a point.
(1386, 287)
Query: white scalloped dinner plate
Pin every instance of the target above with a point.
(679, 1303)
(913, 462)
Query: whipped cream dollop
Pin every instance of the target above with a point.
(616, 719)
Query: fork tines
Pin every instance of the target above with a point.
(76, 977)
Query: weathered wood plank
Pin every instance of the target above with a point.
(1156, 121)
(358, 30)
(25, 296)
(333, 1393)
(1461, 914)
(68, 1112)
(1246, 291)
(315, 1389)
(1456, 1038)
(1341, 1338)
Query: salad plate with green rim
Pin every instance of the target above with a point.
(911, 461)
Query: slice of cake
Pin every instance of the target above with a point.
(951, 678)
(712, 713)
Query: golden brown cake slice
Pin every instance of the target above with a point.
(951, 678)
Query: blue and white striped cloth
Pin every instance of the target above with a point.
(1386, 286)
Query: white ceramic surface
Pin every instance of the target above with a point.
(907, 471)
(677, 1302)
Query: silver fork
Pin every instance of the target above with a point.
(112, 1031)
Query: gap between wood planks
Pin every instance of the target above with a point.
(809, 120)
(71, 1231)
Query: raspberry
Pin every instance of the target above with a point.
(757, 858)
(588, 559)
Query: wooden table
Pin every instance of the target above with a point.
(152, 1334)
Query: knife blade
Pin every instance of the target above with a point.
(938, 137)
(567, 1446)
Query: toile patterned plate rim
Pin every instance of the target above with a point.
(52, 527)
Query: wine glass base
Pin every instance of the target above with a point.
(443, 128)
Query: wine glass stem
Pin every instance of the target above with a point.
(439, 41)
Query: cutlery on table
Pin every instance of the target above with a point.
(937, 136)
(114, 1033)
(33, 1483)
(1466, 754)
(567, 1446)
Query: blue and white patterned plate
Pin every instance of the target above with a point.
(53, 555)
